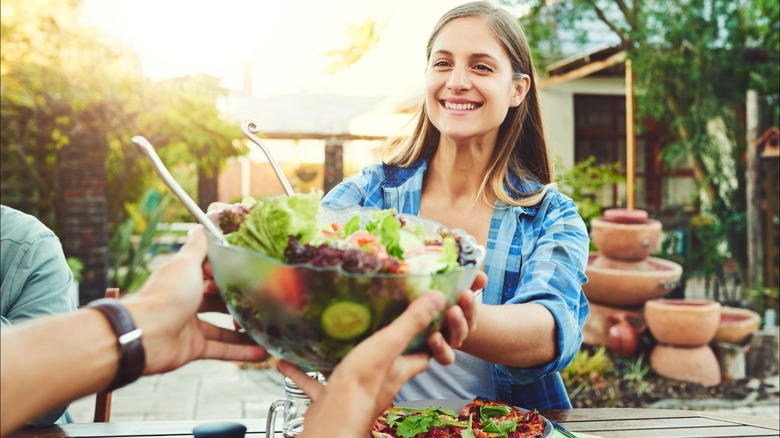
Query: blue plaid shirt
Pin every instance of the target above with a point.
(534, 254)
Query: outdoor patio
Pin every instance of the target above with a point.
(211, 390)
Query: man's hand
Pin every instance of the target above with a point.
(166, 309)
(368, 378)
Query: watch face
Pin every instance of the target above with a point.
(134, 335)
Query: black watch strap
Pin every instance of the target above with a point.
(132, 358)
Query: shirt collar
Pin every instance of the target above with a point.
(396, 176)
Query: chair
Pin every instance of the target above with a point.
(103, 398)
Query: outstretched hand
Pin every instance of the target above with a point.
(166, 309)
(368, 378)
(461, 320)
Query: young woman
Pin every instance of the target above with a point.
(477, 160)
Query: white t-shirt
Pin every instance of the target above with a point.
(465, 379)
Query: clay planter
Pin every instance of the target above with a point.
(596, 330)
(623, 338)
(688, 364)
(626, 241)
(736, 325)
(683, 322)
(626, 216)
(629, 284)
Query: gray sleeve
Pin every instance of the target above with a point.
(42, 282)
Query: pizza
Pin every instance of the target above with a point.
(481, 417)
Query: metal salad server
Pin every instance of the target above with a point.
(249, 128)
(148, 150)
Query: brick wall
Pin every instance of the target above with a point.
(83, 218)
(334, 165)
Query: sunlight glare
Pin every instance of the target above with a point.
(285, 41)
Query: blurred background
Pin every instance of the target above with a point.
(645, 106)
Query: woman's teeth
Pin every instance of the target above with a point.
(460, 106)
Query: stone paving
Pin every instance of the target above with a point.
(202, 390)
(209, 390)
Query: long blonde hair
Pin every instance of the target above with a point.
(520, 148)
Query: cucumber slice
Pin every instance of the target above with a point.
(345, 320)
(408, 241)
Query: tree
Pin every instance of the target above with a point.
(693, 61)
(52, 90)
(71, 101)
(180, 117)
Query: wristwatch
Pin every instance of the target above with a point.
(132, 358)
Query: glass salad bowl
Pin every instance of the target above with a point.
(313, 316)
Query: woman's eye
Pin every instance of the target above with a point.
(484, 68)
(441, 64)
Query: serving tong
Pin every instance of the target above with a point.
(249, 128)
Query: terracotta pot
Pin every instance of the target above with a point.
(624, 334)
(596, 329)
(625, 216)
(629, 284)
(688, 364)
(736, 325)
(625, 241)
(683, 322)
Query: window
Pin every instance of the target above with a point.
(600, 131)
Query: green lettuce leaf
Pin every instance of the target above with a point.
(272, 220)
(386, 226)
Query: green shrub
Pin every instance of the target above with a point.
(131, 243)
(582, 181)
(587, 369)
(76, 266)
(634, 372)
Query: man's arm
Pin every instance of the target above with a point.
(70, 356)
(76, 354)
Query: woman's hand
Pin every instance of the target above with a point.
(166, 309)
(459, 321)
(368, 378)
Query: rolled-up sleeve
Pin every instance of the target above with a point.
(555, 256)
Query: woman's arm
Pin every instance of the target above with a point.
(542, 323)
(518, 335)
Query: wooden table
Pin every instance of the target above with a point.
(665, 423)
(603, 422)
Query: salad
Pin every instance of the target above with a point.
(287, 229)
(323, 279)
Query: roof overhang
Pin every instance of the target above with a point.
(608, 61)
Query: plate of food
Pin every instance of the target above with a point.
(308, 283)
(479, 417)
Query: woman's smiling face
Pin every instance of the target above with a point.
(469, 81)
